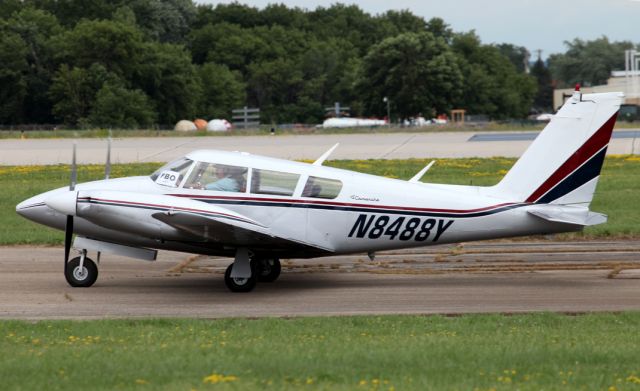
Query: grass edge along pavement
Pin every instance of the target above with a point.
(617, 195)
(265, 130)
(406, 352)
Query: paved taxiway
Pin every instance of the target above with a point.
(352, 146)
(474, 277)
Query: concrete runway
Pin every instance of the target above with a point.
(469, 278)
(352, 146)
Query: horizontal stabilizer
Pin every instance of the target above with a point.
(567, 215)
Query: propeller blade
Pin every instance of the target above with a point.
(68, 234)
(74, 170)
(107, 167)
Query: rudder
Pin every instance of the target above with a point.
(563, 164)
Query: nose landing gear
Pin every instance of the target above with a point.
(81, 272)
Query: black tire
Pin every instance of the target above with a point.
(83, 279)
(240, 284)
(268, 269)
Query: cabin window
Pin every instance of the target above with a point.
(217, 177)
(172, 174)
(273, 182)
(322, 188)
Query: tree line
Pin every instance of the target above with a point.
(144, 62)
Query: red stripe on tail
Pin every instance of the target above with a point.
(585, 152)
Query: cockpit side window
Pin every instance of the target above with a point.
(273, 182)
(322, 188)
(172, 173)
(217, 177)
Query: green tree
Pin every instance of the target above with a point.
(439, 28)
(166, 20)
(168, 77)
(13, 54)
(234, 13)
(417, 72)
(280, 14)
(8, 7)
(223, 91)
(492, 85)
(274, 86)
(36, 27)
(224, 43)
(398, 22)
(543, 100)
(115, 45)
(74, 92)
(70, 12)
(518, 55)
(348, 22)
(119, 107)
(588, 62)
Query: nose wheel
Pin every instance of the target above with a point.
(81, 273)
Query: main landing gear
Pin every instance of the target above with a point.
(243, 274)
(81, 272)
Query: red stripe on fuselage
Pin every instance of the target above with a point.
(594, 144)
(341, 204)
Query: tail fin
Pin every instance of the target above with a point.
(563, 163)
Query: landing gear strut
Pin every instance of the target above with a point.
(240, 284)
(81, 272)
(245, 271)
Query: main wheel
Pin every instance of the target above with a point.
(240, 284)
(269, 269)
(81, 278)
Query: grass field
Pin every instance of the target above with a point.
(618, 193)
(471, 352)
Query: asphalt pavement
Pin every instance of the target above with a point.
(507, 277)
(352, 146)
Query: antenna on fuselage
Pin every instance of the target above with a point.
(325, 155)
(419, 175)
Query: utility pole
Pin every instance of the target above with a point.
(386, 100)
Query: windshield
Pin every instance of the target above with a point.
(172, 174)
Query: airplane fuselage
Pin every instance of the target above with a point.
(368, 214)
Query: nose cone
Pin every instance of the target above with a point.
(25, 207)
(64, 202)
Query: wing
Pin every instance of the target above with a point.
(234, 230)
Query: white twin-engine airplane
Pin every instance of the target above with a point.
(258, 209)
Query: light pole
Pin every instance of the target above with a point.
(386, 100)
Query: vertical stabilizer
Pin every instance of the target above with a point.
(563, 163)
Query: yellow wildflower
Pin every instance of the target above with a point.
(215, 378)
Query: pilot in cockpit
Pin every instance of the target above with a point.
(228, 180)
